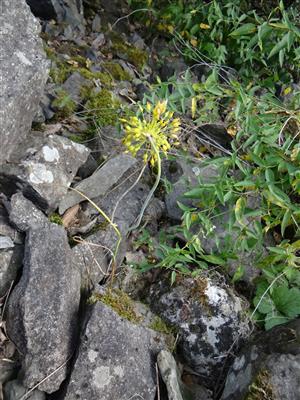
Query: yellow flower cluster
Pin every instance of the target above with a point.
(156, 127)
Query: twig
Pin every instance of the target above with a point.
(128, 15)
(157, 381)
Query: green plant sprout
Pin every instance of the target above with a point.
(153, 132)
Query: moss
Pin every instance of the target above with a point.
(261, 389)
(103, 77)
(134, 55)
(120, 302)
(60, 72)
(56, 219)
(64, 103)
(116, 71)
(159, 325)
(103, 108)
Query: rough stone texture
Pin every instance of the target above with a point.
(42, 309)
(14, 390)
(23, 213)
(68, 11)
(183, 177)
(100, 182)
(209, 318)
(116, 359)
(73, 86)
(23, 73)
(95, 254)
(46, 171)
(270, 364)
(11, 253)
(171, 376)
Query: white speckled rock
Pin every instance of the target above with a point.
(46, 171)
(209, 317)
(23, 73)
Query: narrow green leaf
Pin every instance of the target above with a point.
(245, 29)
(285, 221)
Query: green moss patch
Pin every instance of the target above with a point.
(64, 104)
(56, 219)
(120, 302)
(116, 71)
(103, 108)
(134, 55)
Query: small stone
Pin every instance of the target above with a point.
(96, 24)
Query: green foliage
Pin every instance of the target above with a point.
(102, 107)
(256, 190)
(64, 104)
(56, 219)
(229, 33)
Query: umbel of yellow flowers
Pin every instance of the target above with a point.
(155, 129)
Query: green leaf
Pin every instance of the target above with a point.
(211, 258)
(195, 193)
(239, 273)
(173, 277)
(285, 221)
(239, 210)
(287, 300)
(245, 29)
(274, 319)
(279, 46)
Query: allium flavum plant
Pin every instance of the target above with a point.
(154, 131)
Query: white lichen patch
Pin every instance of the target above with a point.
(119, 371)
(39, 174)
(92, 355)
(21, 56)
(79, 147)
(50, 154)
(101, 377)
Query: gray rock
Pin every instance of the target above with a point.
(115, 359)
(94, 255)
(171, 376)
(10, 264)
(42, 309)
(11, 253)
(100, 182)
(270, 364)
(23, 72)
(169, 373)
(68, 11)
(73, 86)
(8, 371)
(96, 24)
(14, 390)
(183, 177)
(23, 213)
(210, 320)
(47, 170)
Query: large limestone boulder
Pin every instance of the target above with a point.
(23, 73)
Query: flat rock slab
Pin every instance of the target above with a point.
(116, 359)
(23, 73)
(42, 309)
(100, 182)
(47, 170)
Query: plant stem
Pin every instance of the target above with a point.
(151, 193)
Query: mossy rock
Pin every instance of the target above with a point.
(103, 108)
(105, 78)
(129, 52)
(116, 71)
